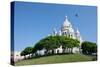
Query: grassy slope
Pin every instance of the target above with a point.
(56, 59)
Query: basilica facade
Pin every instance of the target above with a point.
(67, 30)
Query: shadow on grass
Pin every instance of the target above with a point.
(47, 55)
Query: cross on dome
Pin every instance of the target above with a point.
(66, 17)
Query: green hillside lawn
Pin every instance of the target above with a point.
(55, 59)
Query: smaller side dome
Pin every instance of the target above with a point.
(77, 31)
(71, 30)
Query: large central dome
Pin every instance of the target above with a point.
(66, 22)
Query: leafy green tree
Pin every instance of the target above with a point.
(69, 43)
(89, 47)
(48, 43)
(29, 51)
(74, 43)
(53, 42)
(26, 51)
(23, 53)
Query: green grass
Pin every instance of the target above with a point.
(55, 59)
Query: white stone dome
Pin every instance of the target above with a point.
(66, 23)
(77, 31)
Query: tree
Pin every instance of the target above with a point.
(26, 51)
(29, 51)
(48, 43)
(23, 53)
(69, 43)
(52, 42)
(74, 43)
(89, 47)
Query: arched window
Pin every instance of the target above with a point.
(65, 33)
(57, 51)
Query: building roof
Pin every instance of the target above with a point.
(66, 22)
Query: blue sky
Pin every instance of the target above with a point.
(33, 21)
